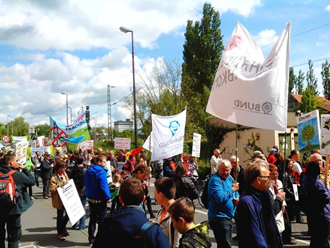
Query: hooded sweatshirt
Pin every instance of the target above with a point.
(96, 184)
(196, 237)
(123, 225)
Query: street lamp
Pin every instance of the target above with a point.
(70, 114)
(67, 106)
(126, 30)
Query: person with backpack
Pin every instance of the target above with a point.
(165, 194)
(14, 204)
(182, 214)
(128, 227)
(223, 199)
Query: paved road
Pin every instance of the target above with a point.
(39, 226)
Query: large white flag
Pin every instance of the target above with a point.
(167, 135)
(248, 89)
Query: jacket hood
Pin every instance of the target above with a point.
(198, 236)
(127, 220)
(96, 168)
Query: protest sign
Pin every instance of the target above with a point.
(196, 147)
(123, 143)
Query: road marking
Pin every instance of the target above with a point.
(303, 241)
(200, 212)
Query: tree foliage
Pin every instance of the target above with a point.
(311, 79)
(201, 54)
(18, 127)
(43, 130)
(300, 82)
(308, 100)
(159, 94)
(326, 79)
(292, 80)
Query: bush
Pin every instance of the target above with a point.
(203, 169)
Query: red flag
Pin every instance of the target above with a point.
(136, 151)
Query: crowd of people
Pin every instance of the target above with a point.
(263, 198)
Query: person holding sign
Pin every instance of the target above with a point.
(59, 179)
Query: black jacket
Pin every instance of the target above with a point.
(23, 180)
(46, 169)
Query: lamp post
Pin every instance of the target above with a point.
(67, 106)
(109, 87)
(126, 30)
(70, 114)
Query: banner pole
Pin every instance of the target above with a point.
(235, 173)
(284, 162)
(326, 171)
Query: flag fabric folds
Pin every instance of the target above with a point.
(75, 133)
(167, 135)
(248, 89)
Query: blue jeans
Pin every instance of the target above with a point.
(82, 222)
(222, 229)
(98, 212)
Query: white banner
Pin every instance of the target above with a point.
(325, 134)
(21, 151)
(248, 89)
(196, 147)
(87, 145)
(40, 149)
(123, 143)
(308, 126)
(167, 135)
(148, 143)
(71, 201)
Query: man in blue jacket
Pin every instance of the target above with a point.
(223, 199)
(12, 214)
(257, 225)
(128, 226)
(98, 194)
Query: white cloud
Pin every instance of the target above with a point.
(266, 37)
(328, 8)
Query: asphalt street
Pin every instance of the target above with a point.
(39, 226)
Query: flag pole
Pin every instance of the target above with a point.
(284, 162)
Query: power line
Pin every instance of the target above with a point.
(307, 31)
(312, 62)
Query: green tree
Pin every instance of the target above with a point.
(300, 82)
(43, 130)
(159, 94)
(326, 79)
(292, 80)
(307, 133)
(308, 100)
(19, 127)
(201, 55)
(311, 79)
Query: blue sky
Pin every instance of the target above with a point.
(75, 46)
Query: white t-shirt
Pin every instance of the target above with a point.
(296, 167)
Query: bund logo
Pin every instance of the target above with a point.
(265, 108)
(174, 126)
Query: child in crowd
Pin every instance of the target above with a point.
(182, 216)
(164, 194)
(124, 227)
(114, 192)
(142, 172)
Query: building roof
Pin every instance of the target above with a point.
(323, 102)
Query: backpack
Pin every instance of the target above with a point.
(205, 194)
(8, 193)
(141, 237)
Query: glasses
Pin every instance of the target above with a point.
(265, 177)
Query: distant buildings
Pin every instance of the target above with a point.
(120, 126)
